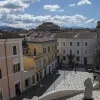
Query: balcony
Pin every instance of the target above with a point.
(37, 56)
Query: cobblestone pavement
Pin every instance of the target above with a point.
(96, 96)
(74, 81)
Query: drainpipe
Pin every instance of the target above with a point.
(7, 69)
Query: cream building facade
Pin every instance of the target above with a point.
(80, 44)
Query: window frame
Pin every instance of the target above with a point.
(13, 50)
(71, 51)
(78, 43)
(49, 49)
(64, 58)
(64, 51)
(34, 52)
(16, 68)
(78, 58)
(63, 43)
(78, 52)
(70, 43)
(86, 44)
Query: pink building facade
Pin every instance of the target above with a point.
(11, 68)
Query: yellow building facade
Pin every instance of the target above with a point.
(44, 56)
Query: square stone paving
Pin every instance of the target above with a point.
(74, 81)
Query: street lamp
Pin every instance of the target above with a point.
(64, 72)
(54, 79)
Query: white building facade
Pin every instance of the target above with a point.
(80, 45)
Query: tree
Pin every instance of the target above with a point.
(70, 58)
(25, 46)
(24, 43)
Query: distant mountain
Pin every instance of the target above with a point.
(77, 27)
(8, 28)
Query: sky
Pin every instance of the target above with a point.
(65, 13)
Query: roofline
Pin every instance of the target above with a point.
(41, 42)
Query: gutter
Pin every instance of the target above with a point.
(7, 69)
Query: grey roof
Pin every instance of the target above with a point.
(9, 35)
(42, 39)
(77, 35)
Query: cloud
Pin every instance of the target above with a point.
(91, 21)
(82, 2)
(51, 7)
(15, 5)
(30, 21)
(61, 10)
(71, 5)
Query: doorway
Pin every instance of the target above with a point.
(37, 76)
(85, 60)
(45, 71)
(17, 88)
(1, 98)
(49, 70)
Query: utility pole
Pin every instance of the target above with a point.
(64, 73)
(54, 79)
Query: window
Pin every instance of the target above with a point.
(48, 59)
(64, 58)
(55, 46)
(85, 43)
(44, 61)
(44, 50)
(55, 55)
(0, 74)
(85, 58)
(16, 67)
(86, 52)
(26, 83)
(70, 43)
(52, 47)
(63, 43)
(70, 51)
(33, 77)
(78, 43)
(37, 77)
(77, 58)
(63, 51)
(41, 75)
(52, 56)
(1, 98)
(14, 50)
(77, 51)
(48, 49)
(34, 52)
(57, 43)
(57, 51)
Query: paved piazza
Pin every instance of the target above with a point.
(74, 81)
(96, 96)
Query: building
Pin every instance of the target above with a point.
(76, 46)
(11, 65)
(48, 26)
(43, 52)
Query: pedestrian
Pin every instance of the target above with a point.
(76, 64)
(73, 64)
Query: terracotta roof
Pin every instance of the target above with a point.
(77, 35)
(42, 39)
(9, 35)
